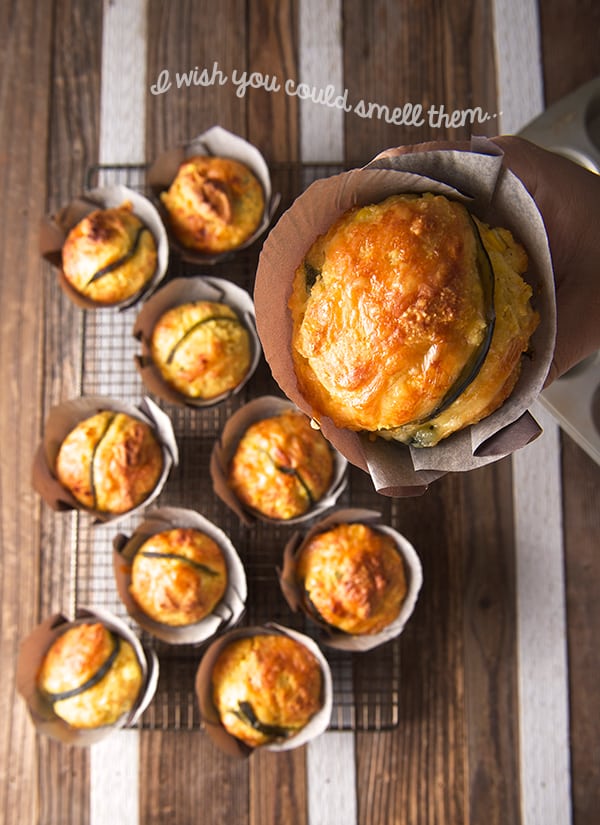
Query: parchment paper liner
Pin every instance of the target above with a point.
(293, 592)
(181, 291)
(224, 448)
(54, 231)
(64, 417)
(229, 610)
(493, 193)
(31, 654)
(218, 142)
(210, 717)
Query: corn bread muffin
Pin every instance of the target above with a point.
(90, 676)
(202, 349)
(282, 466)
(353, 578)
(110, 255)
(266, 688)
(214, 204)
(110, 462)
(410, 318)
(178, 576)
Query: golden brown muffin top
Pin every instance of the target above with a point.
(201, 348)
(109, 255)
(387, 309)
(90, 675)
(266, 687)
(353, 576)
(178, 576)
(282, 466)
(214, 204)
(110, 462)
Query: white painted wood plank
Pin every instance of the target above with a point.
(320, 66)
(541, 623)
(331, 778)
(114, 769)
(114, 763)
(123, 91)
(518, 63)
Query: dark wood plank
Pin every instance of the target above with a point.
(25, 32)
(569, 38)
(74, 78)
(186, 779)
(272, 49)
(582, 569)
(425, 54)
(181, 37)
(278, 788)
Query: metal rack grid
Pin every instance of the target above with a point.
(366, 685)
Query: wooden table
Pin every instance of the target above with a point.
(498, 709)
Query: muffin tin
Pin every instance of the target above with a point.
(77, 560)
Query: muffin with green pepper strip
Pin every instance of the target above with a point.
(110, 255)
(178, 576)
(201, 348)
(110, 462)
(281, 466)
(266, 688)
(410, 319)
(90, 676)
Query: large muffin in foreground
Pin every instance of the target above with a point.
(90, 676)
(266, 688)
(282, 466)
(178, 576)
(110, 462)
(110, 255)
(201, 348)
(352, 578)
(410, 318)
(214, 204)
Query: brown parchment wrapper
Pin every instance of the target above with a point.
(217, 142)
(210, 717)
(293, 592)
(225, 447)
(64, 417)
(493, 193)
(31, 654)
(229, 610)
(181, 291)
(54, 231)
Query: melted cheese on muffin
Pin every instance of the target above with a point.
(109, 255)
(353, 577)
(214, 204)
(391, 306)
(178, 576)
(202, 349)
(110, 462)
(266, 688)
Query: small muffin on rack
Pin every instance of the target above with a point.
(201, 348)
(214, 204)
(353, 578)
(266, 688)
(281, 466)
(110, 462)
(90, 676)
(178, 576)
(110, 255)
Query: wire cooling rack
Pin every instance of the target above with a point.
(366, 685)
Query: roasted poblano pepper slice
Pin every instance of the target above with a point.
(150, 554)
(106, 270)
(245, 712)
(94, 679)
(196, 326)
